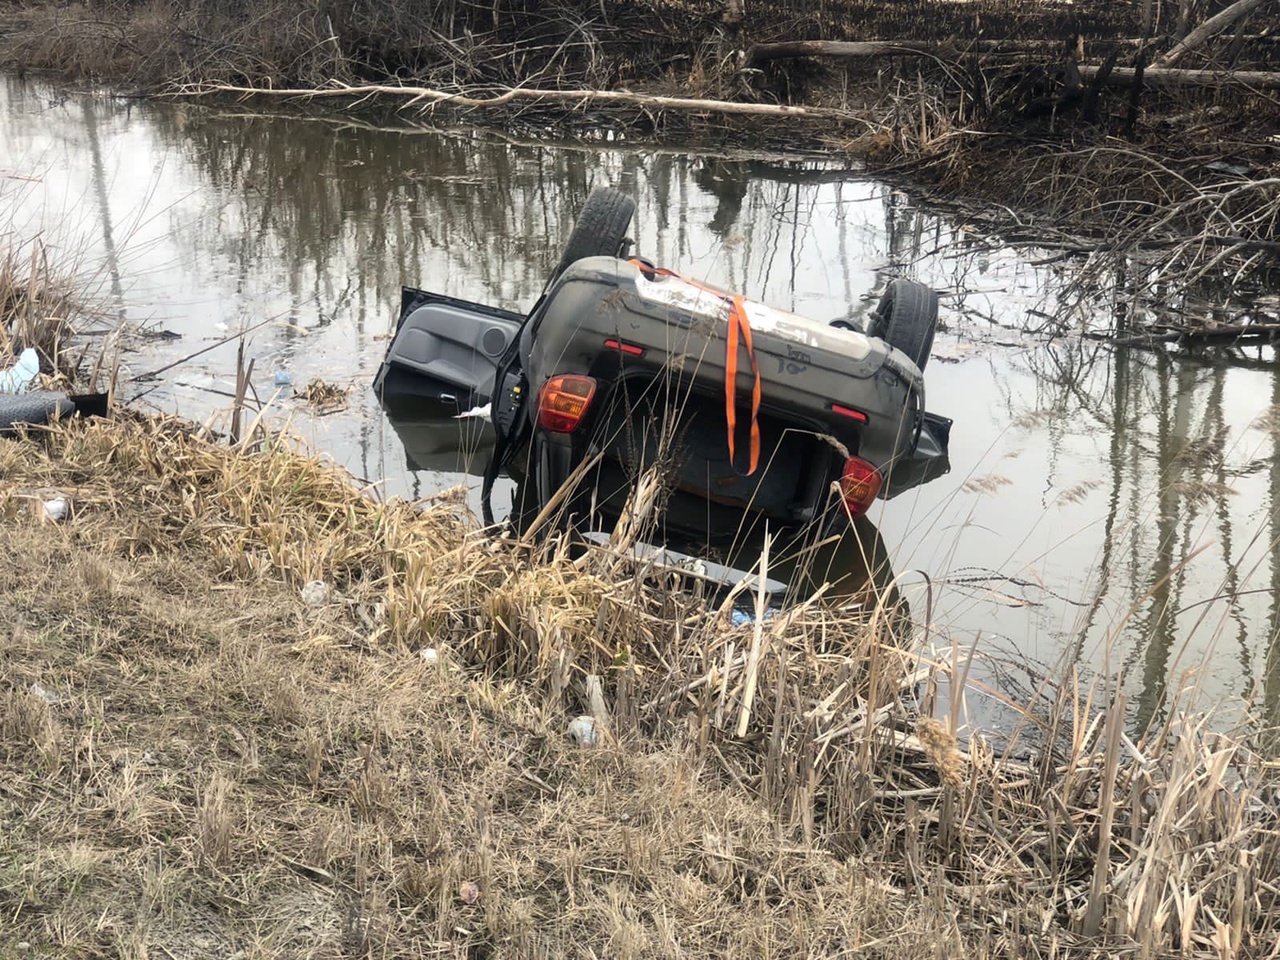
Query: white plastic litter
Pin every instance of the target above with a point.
(18, 377)
(582, 731)
(315, 593)
(56, 509)
(429, 655)
(741, 617)
(283, 378)
(479, 413)
(45, 694)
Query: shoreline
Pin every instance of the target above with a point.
(1191, 172)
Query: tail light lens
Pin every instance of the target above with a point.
(859, 485)
(564, 401)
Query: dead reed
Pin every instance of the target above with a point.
(308, 766)
(37, 310)
(1150, 220)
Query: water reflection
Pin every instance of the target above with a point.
(1134, 496)
(1116, 508)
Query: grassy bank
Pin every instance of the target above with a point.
(195, 761)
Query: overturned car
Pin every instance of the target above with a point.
(623, 369)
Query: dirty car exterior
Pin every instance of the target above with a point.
(748, 413)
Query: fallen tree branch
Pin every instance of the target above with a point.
(1124, 76)
(764, 52)
(431, 98)
(1210, 28)
(1229, 332)
(839, 49)
(1218, 334)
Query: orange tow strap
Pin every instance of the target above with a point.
(738, 323)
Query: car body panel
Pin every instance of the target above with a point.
(447, 352)
(444, 350)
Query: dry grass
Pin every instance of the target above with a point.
(324, 398)
(37, 310)
(194, 762)
(222, 768)
(600, 42)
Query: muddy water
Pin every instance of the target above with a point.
(1114, 509)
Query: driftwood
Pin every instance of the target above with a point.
(1209, 29)
(428, 97)
(864, 49)
(788, 50)
(1170, 76)
(1226, 333)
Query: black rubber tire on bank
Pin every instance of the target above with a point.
(601, 229)
(37, 407)
(906, 318)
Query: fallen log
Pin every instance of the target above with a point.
(865, 49)
(1216, 334)
(791, 49)
(427, 98)
(1171, 76)
(1210, 28)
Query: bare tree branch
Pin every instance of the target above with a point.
(1210, 28)
(1124, 76)
(430, 98)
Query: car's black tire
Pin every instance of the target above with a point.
(601, 229)
(906, 318)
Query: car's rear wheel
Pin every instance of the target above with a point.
(906, 319)
(601, 229)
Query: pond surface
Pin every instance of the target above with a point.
(1117, 509)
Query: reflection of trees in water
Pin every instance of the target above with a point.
(375, 207)
(1180, 525)
(328, 203)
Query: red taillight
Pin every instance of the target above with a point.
(859, 485)
(564, 401)
(628, 348)
(849, 412)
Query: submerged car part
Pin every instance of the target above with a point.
(445, 351)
